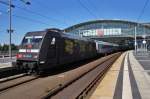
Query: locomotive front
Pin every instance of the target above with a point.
(29, 50)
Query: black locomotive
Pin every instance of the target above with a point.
(42, 50)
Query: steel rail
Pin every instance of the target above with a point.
(12, 77)
(16, 82)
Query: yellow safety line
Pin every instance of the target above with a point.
(126, 92)
(106, 88)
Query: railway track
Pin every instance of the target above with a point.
(12, 77)
(71, 84)
(14, 81)
(79, 87)
(10, 71)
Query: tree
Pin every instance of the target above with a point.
(14, 47)
(5, 47)
(0, 47)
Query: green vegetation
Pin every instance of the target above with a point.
(5, 47)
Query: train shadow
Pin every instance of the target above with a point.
(67, 67)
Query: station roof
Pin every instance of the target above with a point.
(147, 25)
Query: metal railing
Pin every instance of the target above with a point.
(6, 53)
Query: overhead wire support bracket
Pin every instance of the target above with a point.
(5, 3)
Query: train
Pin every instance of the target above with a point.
(104, 48)
(42, 50)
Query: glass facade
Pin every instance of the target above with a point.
(109, 28)
(115, 31)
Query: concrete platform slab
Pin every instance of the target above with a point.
(142, 78)
(143, 59)
(130, 81)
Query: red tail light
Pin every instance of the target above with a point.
(19, 55)
(29, 46)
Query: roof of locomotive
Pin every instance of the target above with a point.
(35, 33)
(69, 35)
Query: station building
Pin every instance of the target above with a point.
(115, 31)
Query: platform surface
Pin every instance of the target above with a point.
(128, 78)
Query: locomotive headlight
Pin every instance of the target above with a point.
(42, 62)
(35, 56)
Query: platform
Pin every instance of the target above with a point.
(128, 78)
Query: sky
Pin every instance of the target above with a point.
(43, 14)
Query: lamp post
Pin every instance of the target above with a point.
(135, 42)
(144, 43)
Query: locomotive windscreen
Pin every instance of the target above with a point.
(32, 40)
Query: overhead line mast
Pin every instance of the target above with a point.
(139, 17)
(10, 30)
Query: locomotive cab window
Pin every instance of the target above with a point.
(27, 40)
